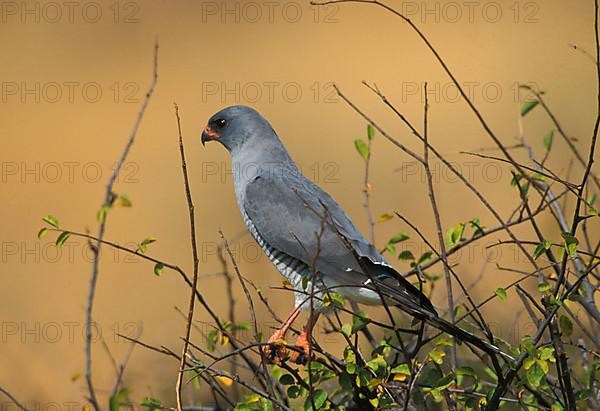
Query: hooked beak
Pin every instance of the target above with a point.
(208, 135)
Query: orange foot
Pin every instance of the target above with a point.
(300, 354)
(275, 352)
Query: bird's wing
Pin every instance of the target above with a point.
(301, 220)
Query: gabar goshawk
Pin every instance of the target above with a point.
(308, 236)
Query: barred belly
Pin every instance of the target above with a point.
(291, 268)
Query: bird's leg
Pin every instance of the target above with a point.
(303, 341)
(275, 352)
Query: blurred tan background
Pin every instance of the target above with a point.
(73, 82)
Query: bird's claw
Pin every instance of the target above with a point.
(299, 355)
(275, 352)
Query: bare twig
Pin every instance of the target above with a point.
(109, 198)
(250, 305)
(503, 385)
(13, 399)
(196, 262)
(438, 225)
(121, 368)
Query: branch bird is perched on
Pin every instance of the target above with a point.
(301, 228)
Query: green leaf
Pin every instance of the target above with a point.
(391, 248)
(543, 246)
(359, 321)
(211, 339)
(251, 403)
(145, 242)
(437, 355)
(333, 299)
(384, 217)
(401, 369)
(406, 255)
(477, 227)
(42, 233)
(528, 363)
(362, 148)
(370, 132)
(241, 326)
(543, 287)
(566, 326)
(304, 282)
(547, 354)
(293, 391)
(398, 238)
(426, 256)
(491, 373)
(454, 234)
(287, 379)
(535, 374)
(158, 269)
(151, 403)
(523, 188)
(319, 397)
(590, 202)
(443, 342)
(516, 178)
(462, 372)
(548, 139)
(377, 363)
(445, 381)
(51, 220)
(102, 213)
(62, 237)
(124, 201)
(119, 398)
(501, 293)
(527, 106)
(346, 329)
(571, 243)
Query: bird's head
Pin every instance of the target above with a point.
(234, 126)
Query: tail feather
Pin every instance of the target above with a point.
(465, 336)
(389, 283)
(425, 312)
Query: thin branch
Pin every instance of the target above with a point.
(196, 262)
(576, 217)
(494, 402)
(13, 399)
(438, 224)
(109, 199)
(250, 305)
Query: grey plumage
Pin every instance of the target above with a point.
(299, 226)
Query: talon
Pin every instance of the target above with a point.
(275, 352)
(300, 356)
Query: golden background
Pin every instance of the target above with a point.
(42, 292)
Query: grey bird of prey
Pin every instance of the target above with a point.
(302, 229)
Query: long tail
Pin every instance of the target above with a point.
(389, 283)
(462, 335)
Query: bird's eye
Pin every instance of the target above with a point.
(220, 122)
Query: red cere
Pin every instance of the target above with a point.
(211, 133)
